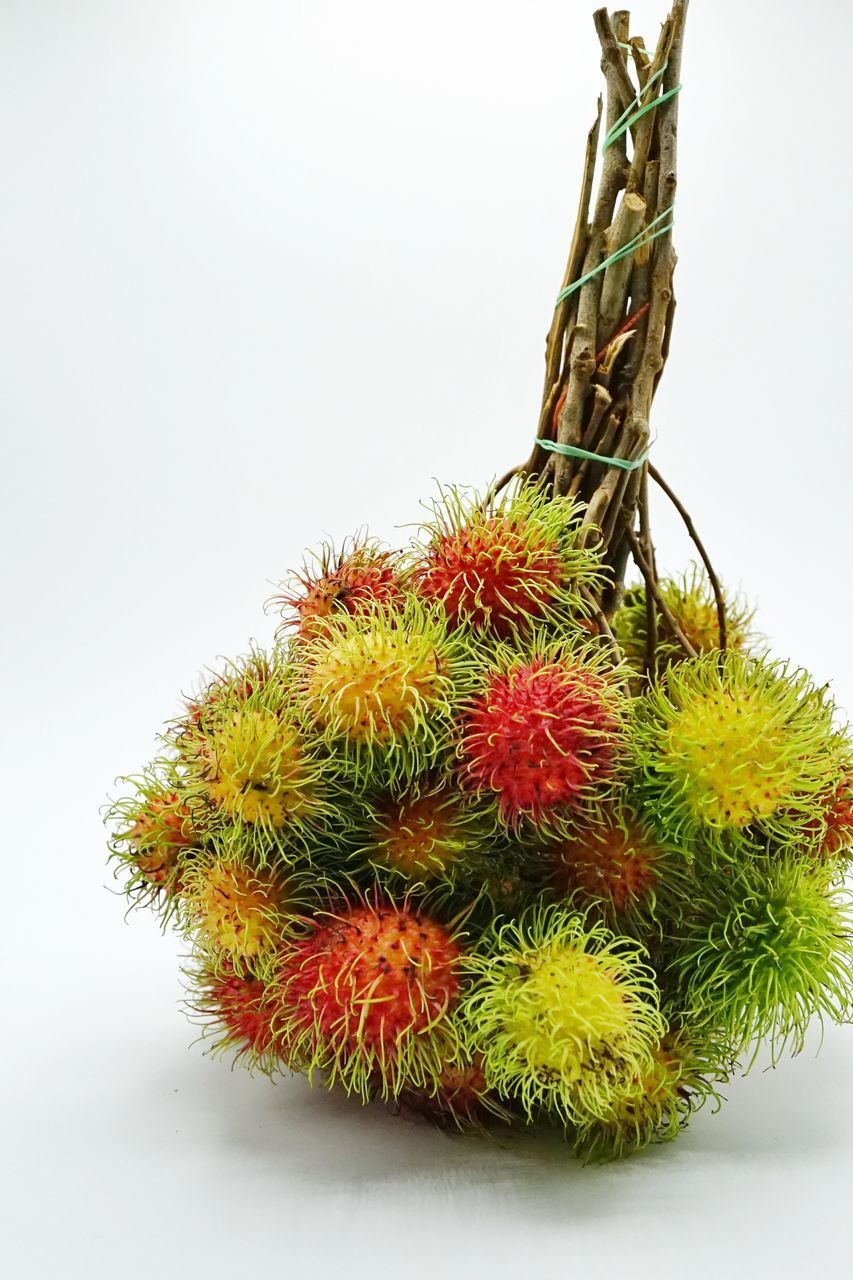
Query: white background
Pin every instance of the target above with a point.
(268, 268)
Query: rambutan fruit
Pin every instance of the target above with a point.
(767, 946)
(461, 1100)
(236, 909)
(237, 1009)
(155, 835)
(365, 998)
(504, 563)
(614, 865)
(656, 1104)
(691, 602)
(836, 823)
(731, 751)
(381, 688)
(423, 834)
(363, 574)
(245, 752)
(562, 1012)
(543, 733)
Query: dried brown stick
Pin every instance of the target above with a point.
(645, 127)
(648, 551)
(582, 346)
(614, 289)
(577, 250)
(651, 585)
(563, 311)
(719, 598)
(604, 627)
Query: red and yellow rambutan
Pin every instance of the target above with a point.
(505, 563)
(381, 688)
(424, 834)
(234, 908)
(246, 754)
(156, 834)
(360, 576)
(365, 997)
(612, 862)
(542, 736)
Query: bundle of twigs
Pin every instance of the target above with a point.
(609, 338)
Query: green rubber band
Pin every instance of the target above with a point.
(641, 238)
(630, 48)
(618, 128)
(622, 126)
(573, 451)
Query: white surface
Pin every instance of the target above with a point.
(267, 268)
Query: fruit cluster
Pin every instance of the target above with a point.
(452, 845)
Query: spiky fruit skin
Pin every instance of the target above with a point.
(233, 908)
(650, 884)
(361, 576)
(836, 825)
(381, 689)
(246, 754)
(543, 734)
(238, 1012)
(461, 1100)
(426, 835)
(504, 564)
(562, 1012)
(365, 997)
(732, 751)
(615, 865)
(767, 947)
(655, 1105)
(155, 835)
(691, 602)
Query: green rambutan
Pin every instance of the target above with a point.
(732, 750)
(365, 998)
(381, 688)
(656, 1104)
(507, 562)
(691, 602)
(543, 733)
(767, 946)
(363, 574)
(246, 755)
(562, 1012)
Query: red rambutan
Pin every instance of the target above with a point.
(504, 564)
(541, 737)
(360, 576)
(365, 994)
(240, 1009)
(461, 1100)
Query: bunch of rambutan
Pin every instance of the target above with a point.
(453, 845)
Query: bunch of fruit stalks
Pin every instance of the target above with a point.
(491, 838)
